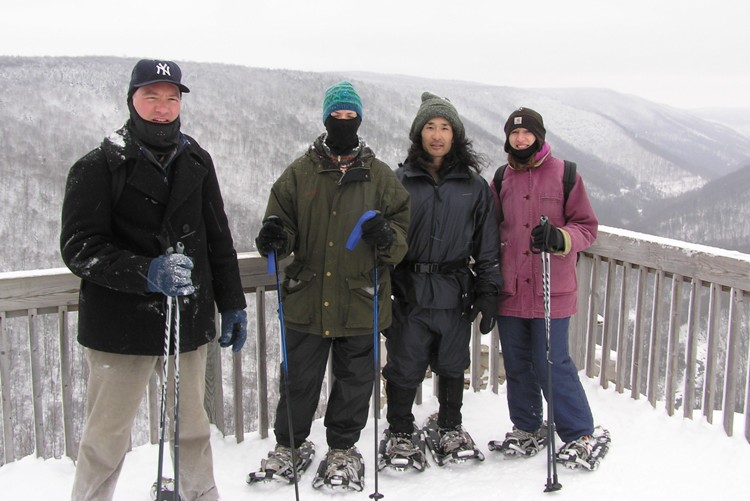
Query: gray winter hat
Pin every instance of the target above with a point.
(434, 106)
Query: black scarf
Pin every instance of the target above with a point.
(523, 156)
(159, 137)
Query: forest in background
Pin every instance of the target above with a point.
(645, 165)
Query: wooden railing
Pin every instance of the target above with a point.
(665, 320)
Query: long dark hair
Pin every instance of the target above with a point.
(461, 156)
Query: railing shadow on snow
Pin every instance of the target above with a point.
(666, 320)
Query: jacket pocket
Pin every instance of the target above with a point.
(551, 205)
(297, 300)
(563, 275)
(362, 302)
(507, 269)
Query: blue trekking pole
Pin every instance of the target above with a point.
(351, 243)
(273, 269)
(552, 483)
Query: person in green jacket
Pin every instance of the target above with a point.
(328, 290)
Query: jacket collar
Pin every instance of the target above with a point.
(120, 147)
(414, 171)
(326, 161)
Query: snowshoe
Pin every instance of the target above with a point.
(402, 451)
(586, 452)
(452, 445)
(278, 465)
(167, 490)
(341, 469)
(519, 443)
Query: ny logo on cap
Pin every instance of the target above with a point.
(518, 121)
(163, 69)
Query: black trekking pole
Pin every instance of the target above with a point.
(552, 483)
(351, 243)
(273, 268)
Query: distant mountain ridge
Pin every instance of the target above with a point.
(634, 155)
(735, 118)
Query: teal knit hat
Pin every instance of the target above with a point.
(341, 96)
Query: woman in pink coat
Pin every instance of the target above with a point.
(531, 187)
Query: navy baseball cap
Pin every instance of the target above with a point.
(150, 71)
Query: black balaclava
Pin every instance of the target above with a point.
(159, 137)
(342, 134)
(524, 155)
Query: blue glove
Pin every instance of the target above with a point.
(170, 275)
(233, 329)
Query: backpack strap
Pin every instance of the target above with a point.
(569, 180)
(498, 181)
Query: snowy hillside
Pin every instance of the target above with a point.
(255, 121)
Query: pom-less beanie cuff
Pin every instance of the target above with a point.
(528, 119)
(434, 106)
(341, 96)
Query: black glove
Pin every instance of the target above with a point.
(271, 236)
(376, 231)
(547, 238)
(486, 303)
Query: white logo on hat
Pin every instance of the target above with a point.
(163, 68)
(518, 121)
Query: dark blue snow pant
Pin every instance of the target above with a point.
(523, 344)
(349, 400)
(418, 338)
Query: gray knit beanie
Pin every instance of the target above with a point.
(433, 106)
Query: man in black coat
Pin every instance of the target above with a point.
(449, 276)
(143, 222)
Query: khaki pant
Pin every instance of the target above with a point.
(115, 389)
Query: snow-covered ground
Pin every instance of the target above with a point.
(653, 456)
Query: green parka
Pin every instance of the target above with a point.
(327, 289)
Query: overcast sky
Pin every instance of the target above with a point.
(685, 53)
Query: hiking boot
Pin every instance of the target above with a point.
(278, 464)
(454, 440)
(522, 443)
(402, 450)
(401, 444)
(577, 450)
(279, 460)
(167, 491)
(344, 468)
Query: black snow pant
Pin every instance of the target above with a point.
(419, 338)
(349, 400)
